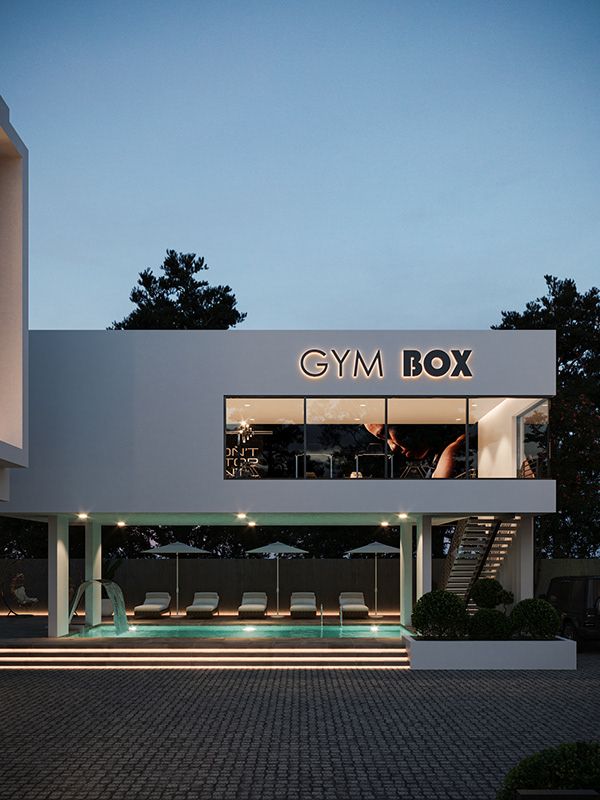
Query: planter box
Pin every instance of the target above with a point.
(555, 654)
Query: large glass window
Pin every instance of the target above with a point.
(397, 438)
(345, 438)
(533, 447)
(427, 437)
(508, 437)
(264, 437)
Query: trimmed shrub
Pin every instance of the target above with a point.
(506, 598)
(535, 619)
(570, 766)
(440, 615)
(488, 623)
(487, 593)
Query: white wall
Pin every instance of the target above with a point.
(13, 295)
(132, 421)
(497, 439)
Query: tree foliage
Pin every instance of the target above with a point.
(574, 415)
(574, 765)
(179, 300)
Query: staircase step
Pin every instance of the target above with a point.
(208, 658)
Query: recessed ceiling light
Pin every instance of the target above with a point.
(458, 419)
(363, 405)
(121, 524)
(474, 405)
(246, 405)
(403, 516)
(82, 515)
(252, 524)
(241, 515)
(356, 419)
(384, 523)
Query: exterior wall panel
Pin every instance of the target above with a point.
(133, 421)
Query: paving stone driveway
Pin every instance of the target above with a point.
(268, 735)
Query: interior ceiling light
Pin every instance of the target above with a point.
(384, 523)
(247, 405)
(252, 524)
(82, 515)
(403, 516)
(121, 524)
(241, 515)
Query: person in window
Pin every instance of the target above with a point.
(424, 451)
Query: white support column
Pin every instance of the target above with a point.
(58, 576)
(406, 572)
(423, 555)
(93, 571)
(526, 566)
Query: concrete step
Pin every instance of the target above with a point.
(207, 658)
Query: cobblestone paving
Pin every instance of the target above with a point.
(270, 735)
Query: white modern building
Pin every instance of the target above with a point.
(410, 428)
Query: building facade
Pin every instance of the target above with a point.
(410, 428)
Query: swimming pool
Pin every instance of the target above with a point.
(257, 631)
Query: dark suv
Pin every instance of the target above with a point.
(577, 600)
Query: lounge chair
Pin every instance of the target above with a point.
(254, 604)
(204, 605)
(353, 606)
(155, 605)
(303, 605)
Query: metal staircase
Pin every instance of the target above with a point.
(479, 547)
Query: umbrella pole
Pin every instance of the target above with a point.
(277, 615)
(376, 614)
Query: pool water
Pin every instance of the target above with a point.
(246, 632)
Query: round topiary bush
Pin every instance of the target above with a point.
(535, 619)
(487, 593)
(487, 623)
(440, 615)
(570, 766)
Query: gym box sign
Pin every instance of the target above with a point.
(413, 364)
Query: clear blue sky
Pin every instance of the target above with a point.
(339, 164)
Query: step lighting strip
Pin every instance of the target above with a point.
(212, 667)
(201, 650)
(200, 659)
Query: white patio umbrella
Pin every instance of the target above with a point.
(176, 549)
(277, 549)
(376, 549)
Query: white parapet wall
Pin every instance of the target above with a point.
(13, 299)
(553, 654)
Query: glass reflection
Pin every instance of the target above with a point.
(533, 447)
(263, 437)
(341, 438)
(426, 437)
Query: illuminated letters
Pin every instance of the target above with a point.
(344, 364)
(347, 363)
(435, 364)
(461, 368)
(359, 360)
(323, 366)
